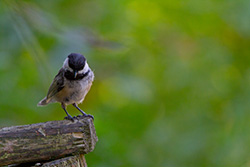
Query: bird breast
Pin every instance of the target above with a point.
(75, 91)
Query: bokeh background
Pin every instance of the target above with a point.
(172, 78)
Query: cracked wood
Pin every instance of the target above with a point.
(46, 141)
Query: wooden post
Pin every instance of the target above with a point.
(76, 161)
(47, 141)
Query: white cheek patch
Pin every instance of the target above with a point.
(70, 69)
(66, 65)
(85, 69)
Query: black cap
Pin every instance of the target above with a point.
(76, 61)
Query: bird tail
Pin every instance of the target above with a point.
(43, 102)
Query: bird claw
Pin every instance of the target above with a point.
(69, 118)
(86, 115)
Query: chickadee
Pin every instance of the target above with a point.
(71, 84)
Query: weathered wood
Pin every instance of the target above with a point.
(75, 161)
(46, 141)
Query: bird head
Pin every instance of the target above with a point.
(76, 64)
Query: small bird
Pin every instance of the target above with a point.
(71, 84)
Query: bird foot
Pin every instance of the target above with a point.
(86, 115)
(69, 118)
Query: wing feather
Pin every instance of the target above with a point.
(57, 84)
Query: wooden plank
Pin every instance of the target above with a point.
(46, 141)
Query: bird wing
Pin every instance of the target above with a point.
(57, 84)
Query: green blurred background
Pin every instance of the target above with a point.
(172, 84)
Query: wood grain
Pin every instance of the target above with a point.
(46, 141)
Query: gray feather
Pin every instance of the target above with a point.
(57, 84)
(43, 102)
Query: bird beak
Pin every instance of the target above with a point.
(75, 74)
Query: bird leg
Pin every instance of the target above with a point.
(69, 117)
(83, 113)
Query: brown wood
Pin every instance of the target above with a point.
(76, 161)
(46, 141)
(71, 161)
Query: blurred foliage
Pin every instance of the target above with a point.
(172, 77)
